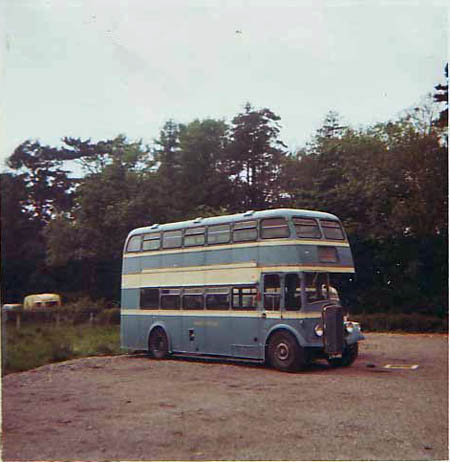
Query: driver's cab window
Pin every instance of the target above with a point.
(292, 292)
(272, 292)
(317, 287)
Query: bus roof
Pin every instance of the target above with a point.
(233, 218)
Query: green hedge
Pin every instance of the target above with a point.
(76, 312)
(382, 322)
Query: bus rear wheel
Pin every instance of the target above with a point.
(284, 352)
(158, 345)
(349, 356)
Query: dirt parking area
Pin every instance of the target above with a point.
(136, 408)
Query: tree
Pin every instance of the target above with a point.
(23, 248)
(117, 196)
(49, 188)
(169, 168)
(441, 96)
(256, 157)
(205, 183)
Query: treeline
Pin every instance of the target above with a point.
(387, 183)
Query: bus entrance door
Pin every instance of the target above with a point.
(245, 323)
(271, 301)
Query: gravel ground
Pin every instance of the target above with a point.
(135, 408)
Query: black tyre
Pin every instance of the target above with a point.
(158, 345)
(284, 353)
(349, 356)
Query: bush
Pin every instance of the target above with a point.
(109, 316)
(381, 322)
(81, 310)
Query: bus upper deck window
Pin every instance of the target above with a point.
(332, 230)
(274, 227)
(245, 231)
(306, 227)
(219, 234)
(194, 236)
(171, 239)
(151, 241)
(134, 244)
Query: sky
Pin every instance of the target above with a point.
(98, 68)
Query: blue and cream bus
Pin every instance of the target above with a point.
(254, 285)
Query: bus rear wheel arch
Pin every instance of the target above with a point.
(158, 343)
(284, 353)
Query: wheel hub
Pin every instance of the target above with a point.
(282, 351)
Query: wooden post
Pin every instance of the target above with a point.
(18, 319)
(4, 318)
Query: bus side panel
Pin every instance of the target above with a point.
(246, 336)
(131, 265)
(130, 299)
(130, 329)
(217, 335)
(274, 255)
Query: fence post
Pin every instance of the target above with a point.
(18, 319)
(4, 318)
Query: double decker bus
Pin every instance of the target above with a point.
(255, 285)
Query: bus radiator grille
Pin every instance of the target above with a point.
(333, 326)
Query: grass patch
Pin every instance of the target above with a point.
(37, 344)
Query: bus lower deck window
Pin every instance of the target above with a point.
(170, 299)
(316, 286)
(244, 298)
(217, 298)
(193, 302)
(272, 292)
(149, 298)
(292, 298)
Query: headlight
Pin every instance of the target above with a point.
(349, 327)
(318, 330)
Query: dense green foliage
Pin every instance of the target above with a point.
(387, 182)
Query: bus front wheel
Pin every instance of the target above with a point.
(158, 345)
(284, 352)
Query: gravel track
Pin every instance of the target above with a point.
(135, 408)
